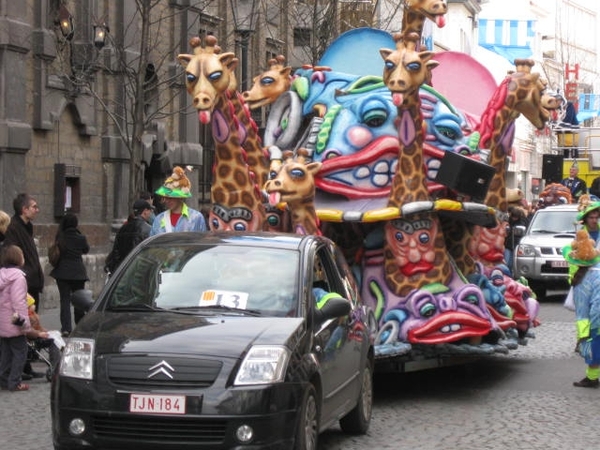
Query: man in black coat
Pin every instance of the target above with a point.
(20, 233)
(134, 231)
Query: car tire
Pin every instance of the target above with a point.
(358, 420)
(307, 432)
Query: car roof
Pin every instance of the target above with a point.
(255, 239)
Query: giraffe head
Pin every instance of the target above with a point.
(207, 74)
(406, 69)
(270, 84)
(526, 94)
(433, 10)
(294, 181)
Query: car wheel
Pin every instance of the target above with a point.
(308, 421)
(358, 420)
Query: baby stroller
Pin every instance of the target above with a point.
(46, 351)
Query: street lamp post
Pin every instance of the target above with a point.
(244, 17)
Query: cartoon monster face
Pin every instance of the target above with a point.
(355, 137)
(412, 243)
(445, 316)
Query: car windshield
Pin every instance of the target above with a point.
(548, 221)
(237, 279)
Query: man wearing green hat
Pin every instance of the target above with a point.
(177, 216)
(583, 254)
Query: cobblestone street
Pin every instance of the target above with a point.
(524, 400)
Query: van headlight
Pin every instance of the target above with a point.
(525, 250)
(77, 359)
(263, 364)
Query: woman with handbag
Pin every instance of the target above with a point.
(70, 272)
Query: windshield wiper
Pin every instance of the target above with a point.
(545, 231)
(250, 312)
(135, 307)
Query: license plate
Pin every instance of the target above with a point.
(157, 404)
(558, 263)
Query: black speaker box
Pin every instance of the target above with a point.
(465, 175)
(552, 167)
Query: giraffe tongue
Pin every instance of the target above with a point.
(274, 198)
(204, 117)
(440, 21)
(397, 98)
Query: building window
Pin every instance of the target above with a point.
(302, 37)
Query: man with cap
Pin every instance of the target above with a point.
(134, 231)
(583, 254)
(178, 216)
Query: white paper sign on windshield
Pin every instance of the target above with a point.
(231, 299)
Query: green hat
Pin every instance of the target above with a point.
(592, 206)
(177, 185)
(574, 257)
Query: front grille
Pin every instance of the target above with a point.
(161, 429)
(551, 251)
(144, 371)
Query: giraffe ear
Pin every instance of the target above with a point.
(286, 71)
(184, 59)
(229, 60)
(385, 52)
(314, 167)
(432, 64)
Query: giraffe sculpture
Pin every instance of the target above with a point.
(521, 92)
(417, 11)
(294, 184)
(270, 84)
(414, 250)
(235, 196)
(421, 292)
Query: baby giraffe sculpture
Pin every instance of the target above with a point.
(294, 184)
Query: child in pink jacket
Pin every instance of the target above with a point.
(14, 319)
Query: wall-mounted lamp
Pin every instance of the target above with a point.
(65, 21)
(100, 35)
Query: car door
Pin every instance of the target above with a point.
(339, 356)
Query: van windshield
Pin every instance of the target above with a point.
(548, 221)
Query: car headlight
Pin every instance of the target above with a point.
(525, 250)
(263, 364)
(77, 359)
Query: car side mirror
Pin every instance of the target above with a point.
(334, 308)
(519, 230)
(82, 299)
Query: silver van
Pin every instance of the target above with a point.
(538, 257)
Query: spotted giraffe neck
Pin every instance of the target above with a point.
(257, 156)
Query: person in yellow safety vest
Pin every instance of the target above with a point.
(587, 307)
(322, 296)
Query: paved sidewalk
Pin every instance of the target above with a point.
(50, 318)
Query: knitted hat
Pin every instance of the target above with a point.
(176, 186)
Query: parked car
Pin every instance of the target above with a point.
(207, 340)
(538, 257)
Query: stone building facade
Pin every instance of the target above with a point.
(67, 121)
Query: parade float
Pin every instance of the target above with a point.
(399, 155)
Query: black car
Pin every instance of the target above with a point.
(206, 340)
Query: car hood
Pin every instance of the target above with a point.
(548, 239)
(164, 332)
